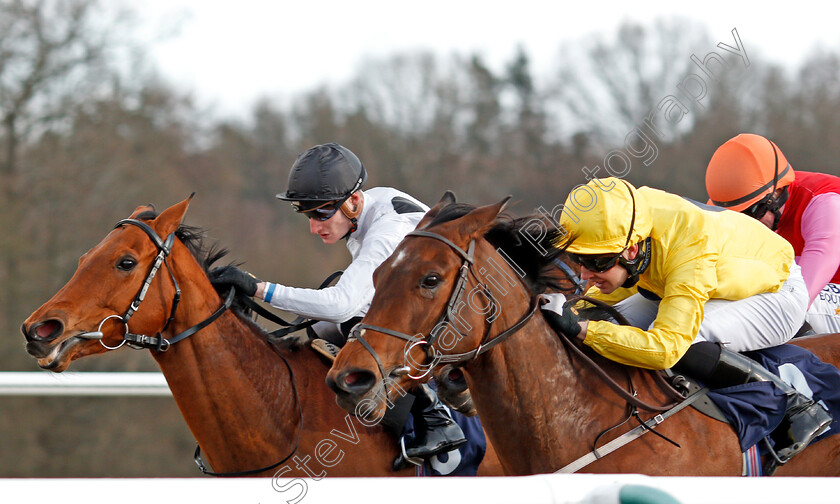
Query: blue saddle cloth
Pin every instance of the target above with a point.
(463, 461)
(756, 409)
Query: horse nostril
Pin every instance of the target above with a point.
(356, 381)
(332, 384)
(453, 378)
(44, 331)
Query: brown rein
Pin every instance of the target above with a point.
(666, 387)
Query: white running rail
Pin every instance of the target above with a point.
(44, 383)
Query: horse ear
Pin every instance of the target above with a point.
(447, 199)
(476, 223)
(169, 220)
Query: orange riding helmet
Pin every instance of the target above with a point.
(745, 170)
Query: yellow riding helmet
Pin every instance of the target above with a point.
(604, 216)
(745, 169)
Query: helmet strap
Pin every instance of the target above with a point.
(776, 203)
(637, 265)
(351, 213)
(776, 207)
(354, 225)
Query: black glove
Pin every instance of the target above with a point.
(243, 281)
(567, 323)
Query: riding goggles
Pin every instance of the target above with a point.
(769, 203)
(595, 263)
(320, 213)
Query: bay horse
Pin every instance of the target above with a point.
(252, 408)
(462, 289)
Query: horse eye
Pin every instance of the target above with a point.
(126, 263)
(430, 281)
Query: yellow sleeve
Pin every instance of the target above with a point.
(614, 297)
(677, 321)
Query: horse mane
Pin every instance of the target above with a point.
(520, 240)
(206, 254)
(195, 239)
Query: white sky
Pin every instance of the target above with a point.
(230, 52)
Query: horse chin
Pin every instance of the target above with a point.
(59, 356)
(369, 407)
(452, 390)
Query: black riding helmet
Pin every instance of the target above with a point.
(327, 172)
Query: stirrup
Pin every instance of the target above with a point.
(773, 461)
(325, 348)
(779, 457)
(403, 460)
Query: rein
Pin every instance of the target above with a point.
(643, 428)
(663, 412)
(288, 327)
(629, 397)
(452, 307)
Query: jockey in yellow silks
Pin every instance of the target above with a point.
(697, 284)
(695, 255)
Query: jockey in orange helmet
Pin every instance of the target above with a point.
(751, 175)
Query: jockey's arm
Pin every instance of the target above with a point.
(346, 299)
(676, 325)
(820, 228)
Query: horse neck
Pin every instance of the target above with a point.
(233, 390)
(528, 393)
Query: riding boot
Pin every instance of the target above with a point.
(804, 418)
(435, 430)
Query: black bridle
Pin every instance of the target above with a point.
(161, 344)
(157, 342)
(447, 317)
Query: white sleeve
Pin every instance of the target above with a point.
(346, 299)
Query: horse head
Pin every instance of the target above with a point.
(91, 313)
(444, 295)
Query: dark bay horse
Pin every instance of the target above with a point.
(461, 285)
(246, 407)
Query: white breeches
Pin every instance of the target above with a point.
(824, 312)
(759, 321)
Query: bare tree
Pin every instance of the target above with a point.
(53, 55)
(609, 87)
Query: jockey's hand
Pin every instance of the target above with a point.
(567, 321)
(243, 281)
(294, 341)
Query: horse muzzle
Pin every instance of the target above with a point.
(43, 342)
(452, 390)
(53, 357)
